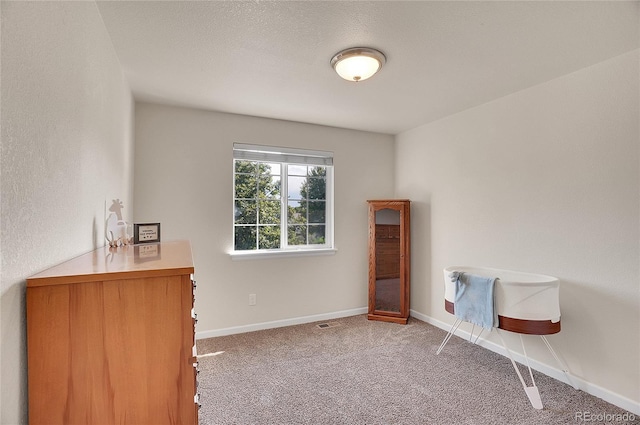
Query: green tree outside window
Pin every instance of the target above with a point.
(258, 201)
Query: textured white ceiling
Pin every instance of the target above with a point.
(271, 59)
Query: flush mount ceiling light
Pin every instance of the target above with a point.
(358, 63)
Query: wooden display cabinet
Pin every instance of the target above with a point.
(110, 338)
(389, 260)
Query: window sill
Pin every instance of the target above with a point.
(254, 255)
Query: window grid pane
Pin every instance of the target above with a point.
(269, 237)
(297, 235)
(245, 238)
(269, 212)
(245, 211)
(316, 234)
(317, 212)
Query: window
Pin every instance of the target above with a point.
(283, 199)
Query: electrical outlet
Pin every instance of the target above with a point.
(252, 299)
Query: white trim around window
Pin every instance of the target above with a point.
(282, 176)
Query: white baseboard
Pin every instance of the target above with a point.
(280, 323)
(578, 383)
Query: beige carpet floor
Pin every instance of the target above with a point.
(363, 372)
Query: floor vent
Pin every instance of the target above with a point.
(328, 325)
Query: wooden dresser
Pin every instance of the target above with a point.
(110, 338)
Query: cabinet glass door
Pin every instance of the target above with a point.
(387, 247)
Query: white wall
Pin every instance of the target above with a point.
(545, 180)
(184, 180)
(67, 117)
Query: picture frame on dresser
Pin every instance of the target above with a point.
(146, 233)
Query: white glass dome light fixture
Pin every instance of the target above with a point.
(358, 63)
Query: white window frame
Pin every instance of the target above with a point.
(285, 157)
